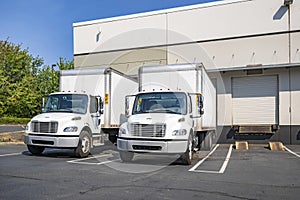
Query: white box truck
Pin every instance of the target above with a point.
(174, 109)
(86, 112)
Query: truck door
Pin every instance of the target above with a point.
(96, 110)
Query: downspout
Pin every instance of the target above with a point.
(288, 3)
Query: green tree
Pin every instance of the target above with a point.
(17, 72)
(24, 80)
(64, 64)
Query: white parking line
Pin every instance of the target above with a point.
(88, 158)
(79, 161)
(201, 161)
(11, 154)
(222, 169)
(295, 154)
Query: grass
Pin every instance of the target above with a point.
(14, 120)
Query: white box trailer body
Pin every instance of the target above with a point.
(107, 83)
(88, 109)
(189, 78)
(173, 123)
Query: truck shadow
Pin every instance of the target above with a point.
(70, 153)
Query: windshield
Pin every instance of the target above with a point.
(71, 103)
(163, 102)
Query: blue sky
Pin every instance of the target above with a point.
(45, 26)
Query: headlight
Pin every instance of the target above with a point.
(122, 131)
(71, 129)
(27, 127)
(179, 132)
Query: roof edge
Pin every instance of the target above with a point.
(158, 12)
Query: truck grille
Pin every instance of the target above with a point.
(44, 127)
(148, 130)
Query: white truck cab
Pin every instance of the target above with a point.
(167, 114)
(69, 120)
(86, 112)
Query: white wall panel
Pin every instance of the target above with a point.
(295, 46)
(295, 15)
(228, 20)
(121, 34)
(266, 50)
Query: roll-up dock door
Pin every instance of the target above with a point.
(255, 100)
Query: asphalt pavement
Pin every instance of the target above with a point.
(224, 173)
(11, 128)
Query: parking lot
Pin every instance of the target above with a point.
(222, 173)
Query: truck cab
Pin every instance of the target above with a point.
(69, 120)
(86, 112)
(160, 122)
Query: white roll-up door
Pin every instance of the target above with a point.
(255, 100)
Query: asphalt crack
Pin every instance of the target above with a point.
(20, 177)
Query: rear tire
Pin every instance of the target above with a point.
(208, 143)
(84, 145)
(35, 150)
(126, 156)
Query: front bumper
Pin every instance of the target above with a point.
(152, 146)
(52, 141)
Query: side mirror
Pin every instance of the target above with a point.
(126, 106)
(200, 104)
(43, 104)
(99, 105)
(129, 104)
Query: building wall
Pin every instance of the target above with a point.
(225, 36)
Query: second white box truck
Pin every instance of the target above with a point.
(175, 107)
(86, 112)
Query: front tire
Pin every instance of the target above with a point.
(188, 155)
(84, 145)
(126, 156)
(35, 150)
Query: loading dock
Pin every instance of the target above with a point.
(256, 67)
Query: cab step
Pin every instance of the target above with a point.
(99, 140)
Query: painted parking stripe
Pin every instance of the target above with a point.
(92, 157)
(295, 154)
(79, 161)
(201, 161)
(222, 169)
(11, 154)
(224, 166)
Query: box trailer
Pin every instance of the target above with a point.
(172, 113)
(86, 112)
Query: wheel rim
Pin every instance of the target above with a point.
(85, 145)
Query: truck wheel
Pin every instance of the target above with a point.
(126, 156)
(188, 155)
(84, 145)
(35, 150)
